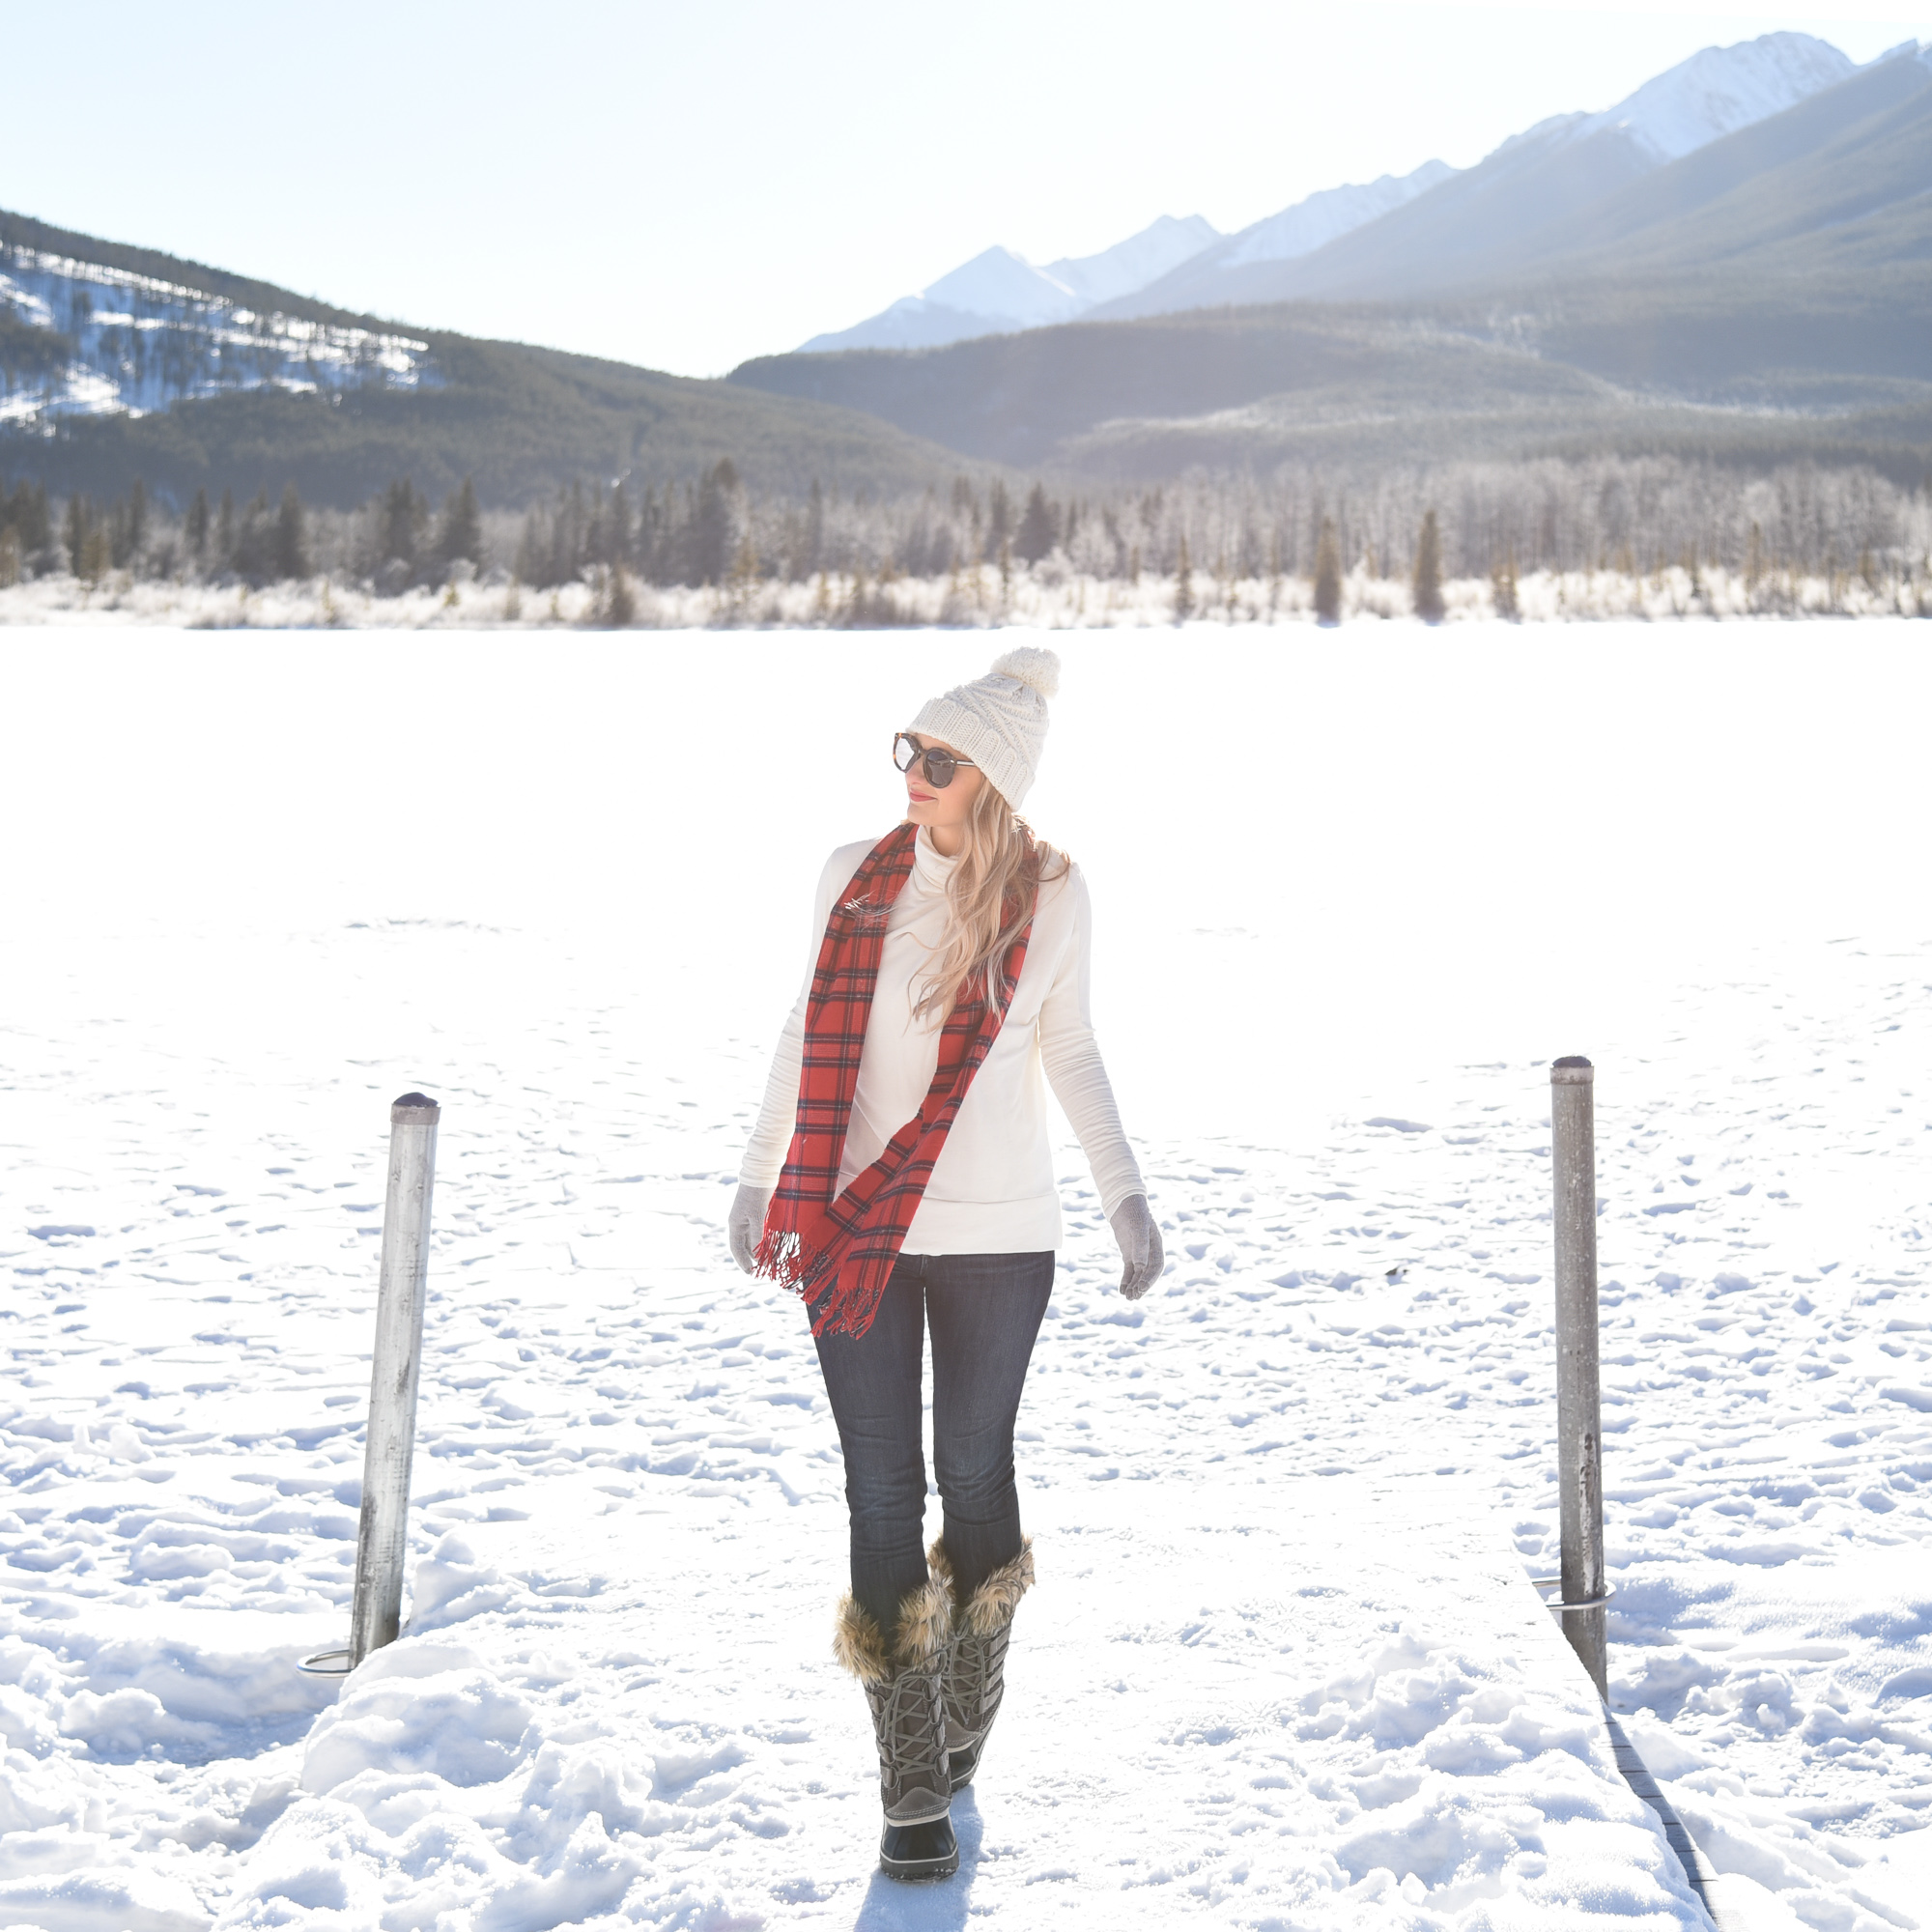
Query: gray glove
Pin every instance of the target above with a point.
(746, 1224)
(1138, 1235)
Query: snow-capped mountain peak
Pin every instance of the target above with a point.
(1129, 265)
(998, 291)
(1312, 223)
(1720, 89)
(999, 283)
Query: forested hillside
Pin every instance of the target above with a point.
(121, 363)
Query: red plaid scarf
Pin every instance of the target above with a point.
(838, 1254)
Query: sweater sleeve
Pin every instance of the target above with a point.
(1071, 1057)
(771, 1139)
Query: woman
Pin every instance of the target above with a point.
(901, 1175)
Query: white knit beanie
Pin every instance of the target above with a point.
(998, 721)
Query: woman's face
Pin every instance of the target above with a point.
(943, 813)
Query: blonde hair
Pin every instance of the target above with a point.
(989, 898)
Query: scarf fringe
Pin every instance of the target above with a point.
(849, 1310)
(780, 1257)
(850, 1305)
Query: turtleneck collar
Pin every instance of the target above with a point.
(932, 868)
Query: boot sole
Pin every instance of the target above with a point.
(934, 1854)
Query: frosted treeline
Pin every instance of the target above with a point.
(1651, 537)
(1636, 515)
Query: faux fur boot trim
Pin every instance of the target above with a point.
(995, 1601)
(858, 1645)
(926, 1622)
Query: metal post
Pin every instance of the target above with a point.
(392, 1381)
(1578, 1413)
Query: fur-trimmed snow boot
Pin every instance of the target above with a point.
(901, 1682)
(976, 1659)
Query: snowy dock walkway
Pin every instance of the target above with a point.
(1283, 1704)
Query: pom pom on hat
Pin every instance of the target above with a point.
(998, 721)
(1030, 664)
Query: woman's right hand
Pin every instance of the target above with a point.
(745, 1227)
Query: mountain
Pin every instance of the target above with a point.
(1132, 264)
(998, 291)
(1321, 218)
(1208, 279)
(1764, 293)
(1838, 185)
(1718, 91)
(1458, 222)
(1514, 205)
(118, 362)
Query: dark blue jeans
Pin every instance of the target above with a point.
(985, 1310)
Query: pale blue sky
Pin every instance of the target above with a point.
(687, 186)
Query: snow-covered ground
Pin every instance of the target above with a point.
(1049, 596)
(1354, 890)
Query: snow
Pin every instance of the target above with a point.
(1051, 595)
(998, 291)
(1277, 1669)
(1720, 89)
(1319, 218)
(995, 291)
(145, 344)
(999, 283)
(1158, 248)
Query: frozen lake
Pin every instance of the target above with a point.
(1353, 891)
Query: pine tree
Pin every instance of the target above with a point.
(1039, 527)
(1328, 575)
(195, 528)
(290, 547)
(531, 551)
(1426, 583)
(713, 531)
(1183, 583)
(399, 522)
(224, 531)
(999, 521)
(660, 556)
(462, 535)
(812, 555)
(623, 536)
(73, 534)
(25, 514)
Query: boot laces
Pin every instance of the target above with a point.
(974, 1669)
(907, 1735)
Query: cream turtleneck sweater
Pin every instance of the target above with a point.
(993, 1189)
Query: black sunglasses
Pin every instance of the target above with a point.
(940, 766)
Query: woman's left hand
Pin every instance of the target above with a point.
(1138, 1235)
